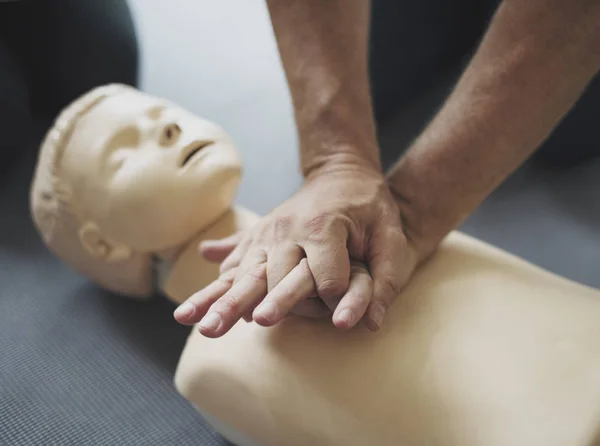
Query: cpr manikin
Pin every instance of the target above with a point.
(126, 185)
(481, 349)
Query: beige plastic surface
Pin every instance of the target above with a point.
(482, 349)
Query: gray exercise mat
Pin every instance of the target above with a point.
(79, 366)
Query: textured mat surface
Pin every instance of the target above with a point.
(77, 365)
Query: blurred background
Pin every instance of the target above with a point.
(220, 60)
(81, 367)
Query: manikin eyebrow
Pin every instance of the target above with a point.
(127, 137)
(155, 111)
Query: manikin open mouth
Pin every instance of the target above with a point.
(193, 149)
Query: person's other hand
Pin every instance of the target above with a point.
(308, 246)
(218, 250)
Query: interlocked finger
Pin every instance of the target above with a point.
(243, 295)
(218, 250)
(236, 256)
(297, 286)
(355, 302)
(195, 307)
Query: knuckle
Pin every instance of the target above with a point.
(226, 278)
(319, 224)
(390, 234)
(282, 226)
(360, 268)
(228, 304)
(254, 257)
(258, 273)
(359, 301)
(245, 239)
(389, 288)
(303, 267)
(362, 299)
(239, 236)
(331, 288)
(259, 234)
(398, 239)
(228, 264)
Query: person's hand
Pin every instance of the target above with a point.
(218, 250)
(339, 237)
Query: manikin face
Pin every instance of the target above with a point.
(147, 173)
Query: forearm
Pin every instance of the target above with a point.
(323, 48)
(533, 64)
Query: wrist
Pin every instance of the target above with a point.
(341, 159)
(338, 134)
(423, 223)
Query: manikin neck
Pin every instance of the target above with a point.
(182, 271)
(165, 260)
(172, 254)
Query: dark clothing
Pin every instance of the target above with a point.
(415, 43)
(51, 51)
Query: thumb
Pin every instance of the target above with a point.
(217, 250)
(391, 264)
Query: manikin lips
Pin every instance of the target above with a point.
(191, 150)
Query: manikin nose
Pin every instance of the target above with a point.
(169, 135)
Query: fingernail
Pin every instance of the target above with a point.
(347, 316)
(268, 311)
(211, 321)
(185, 310)
(377, 314)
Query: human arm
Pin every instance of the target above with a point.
(339, 237)
(532, 65)
(323, 48)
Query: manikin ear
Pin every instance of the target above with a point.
(101, 247)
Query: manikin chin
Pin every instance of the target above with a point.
(481, 349)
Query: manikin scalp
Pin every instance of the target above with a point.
(58, 217)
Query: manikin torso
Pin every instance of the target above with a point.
(481, 349)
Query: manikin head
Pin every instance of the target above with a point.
(123, 176)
